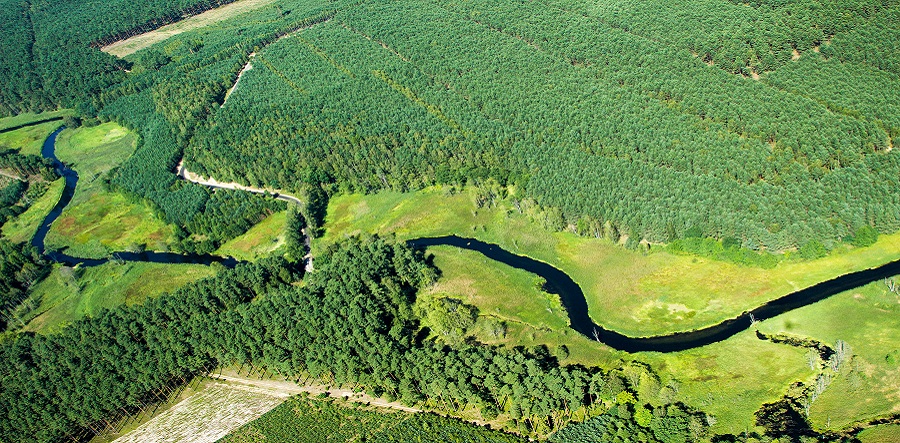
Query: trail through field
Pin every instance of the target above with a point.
(133, 44)
(288, 388)
(207, 416)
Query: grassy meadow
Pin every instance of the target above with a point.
(28, 118)
(259, 241)
(23, 227)
(29, 140)
(68, 294)
(868, 319)
(638, 294)
(99, 220)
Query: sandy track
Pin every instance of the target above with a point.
(213, 183)
(287, 388)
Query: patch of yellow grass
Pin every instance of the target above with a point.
(131, 45)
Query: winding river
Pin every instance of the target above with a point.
(71, 178)
(558, 282)
(573, 299)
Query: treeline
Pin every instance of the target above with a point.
(350, 323)
(20, 268)
(26, 165)
(312, 421)
(70, 384)
(46, 46)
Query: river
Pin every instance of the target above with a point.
(558, 282)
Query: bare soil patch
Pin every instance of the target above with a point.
(131, 45)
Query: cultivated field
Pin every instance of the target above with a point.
(206, 416)
(131, 45)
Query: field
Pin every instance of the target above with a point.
(631, 292)
(315, 420)
(209, 18)
(206, 416)
(29, 140)
(730, 379)
(98, 220)
(23, 227)
(868, 319)
(68, 294)
(28, 118)
(259, 241)
(880, 434)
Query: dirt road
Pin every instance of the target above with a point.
(288, 388)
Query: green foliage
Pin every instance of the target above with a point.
(813, 249)
(642, 416)
(20, 268)
(728, 250)
(313, 421)
(865, 236)
(119, 360)
(449, 318)
(607, 428)
(26, 165)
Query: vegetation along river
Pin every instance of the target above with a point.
(558, 282)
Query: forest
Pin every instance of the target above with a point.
(745, 132)
(800, 154)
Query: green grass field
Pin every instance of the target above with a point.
(868, 319)
(259, 241)
(23, 227)
(26, 118)
(99, 221)
(68, 294)
(880, 434)
(29, 140)
(633, 293)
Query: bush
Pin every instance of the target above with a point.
(865, 236)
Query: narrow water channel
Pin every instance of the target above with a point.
(573, 299)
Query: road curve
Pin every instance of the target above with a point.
(213, 183)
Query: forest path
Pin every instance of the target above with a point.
(248, 66)
(12, 176)
(213, 183)
(284, 388)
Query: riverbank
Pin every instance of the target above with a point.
(631, 292)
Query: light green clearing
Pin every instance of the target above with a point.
(99, 221)
(68, 294)
(868, 319)
(26, 118)
(258, 242)
(131, 45)
(880, 434)
(23, 227)
(632, 293)
(29, 140)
